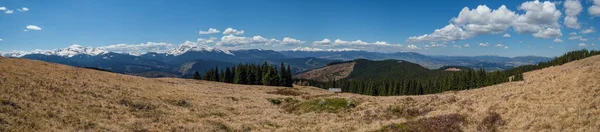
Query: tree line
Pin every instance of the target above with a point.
(250, 74)
(461, 80)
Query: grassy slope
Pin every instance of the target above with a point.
(43, 96)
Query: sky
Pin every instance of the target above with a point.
(442, 27)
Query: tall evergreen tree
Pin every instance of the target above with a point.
(196, 76)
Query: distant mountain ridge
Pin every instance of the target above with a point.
(188, 58)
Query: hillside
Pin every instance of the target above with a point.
(40, 96)
(362, 69)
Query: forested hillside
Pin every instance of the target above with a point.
(383, 80)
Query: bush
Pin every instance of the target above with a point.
(331, 105)
(443, 123)
(137, 105)
(287, 92)
(404, 111)
(181, 103)
(491, 122)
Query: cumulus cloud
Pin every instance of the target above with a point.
(9, 11)
(484, 44)
(450, 32)
(24, 9)
(457, 46)
(548, 33)
(557, 40)
(2, 8)
(540, 19)
(594, 10)
(32, 27)
(139, 48)
(1, 39)
(499, 45)
(483, 20)
(319, 49)
(412, 46)
(466, 45)
(234, 41)
(573, 33)
(574, 37)
(231, 31)
(589, 30)
(582, 45)
(207, 41)
(572, 9)
(324, 42)
(290, 41)
(506, 35)
(209, 31)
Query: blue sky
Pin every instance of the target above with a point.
(101, 23)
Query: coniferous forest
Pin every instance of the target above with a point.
(250, 74)
(461, 80)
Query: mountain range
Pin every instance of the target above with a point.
(184, 60)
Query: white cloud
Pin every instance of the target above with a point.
(319, 49)
(232, 31)
(234, 41)
(2, 8)
(291, 41)
(587, 31)
(572, 9)
(594, 10)
(32, 27)
(206, 41)
(139, 48)
(540, 19)
(548, 33)
(538, 16)
(506, 35)
(1, 39)
(9, 11)
(324, 42)
(483, 20)
(505, 47)
(457, 46)
(573, 33)
(24, 9)
(484, 44)
(582, 45)
(412, 46)
(557, 40)
(450, 32)
(574, 37)
(466, 45)
(209, 31)
(342, 42)
(499, 45)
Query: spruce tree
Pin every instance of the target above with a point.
(196, 76)
(228, 76)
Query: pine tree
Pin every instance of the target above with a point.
(228, 76)
(196, 76)
(240, 75)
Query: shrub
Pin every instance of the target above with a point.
(137, 105)
(287, 92)
(181, 103)
(332, 105)
(491, 122)
(405, 111)
(443, 123)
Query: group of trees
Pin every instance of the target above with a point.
(461, 80)
(250, 74)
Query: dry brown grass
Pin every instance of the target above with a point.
(39, 96)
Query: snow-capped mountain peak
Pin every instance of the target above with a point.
(65, 52)
(189, 46)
